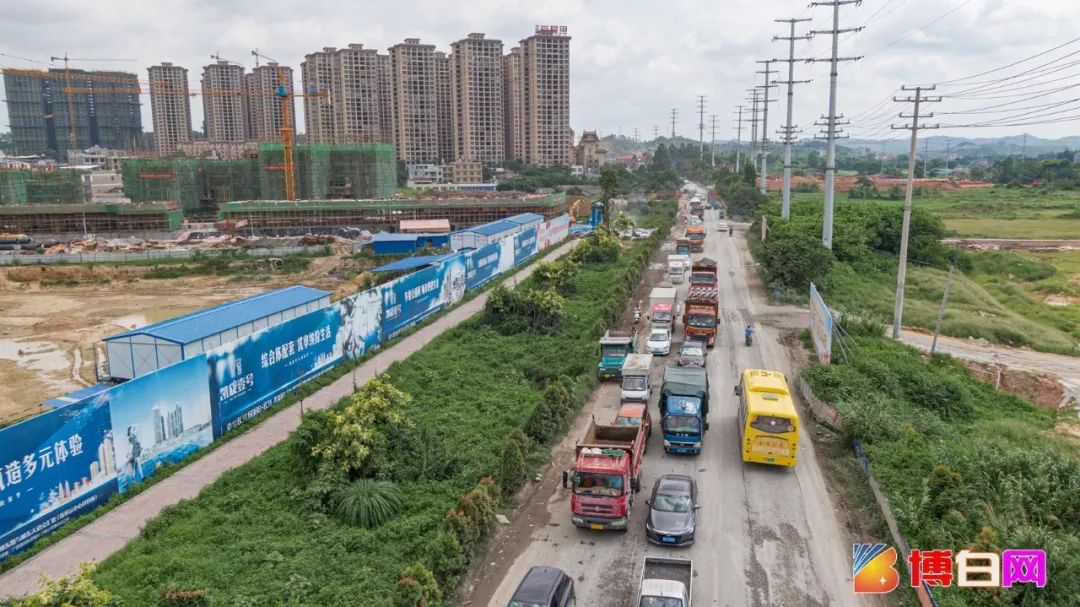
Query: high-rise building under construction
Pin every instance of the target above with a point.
(170, 106)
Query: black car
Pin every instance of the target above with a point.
(693, 354)
(544, 587)
(672, 509)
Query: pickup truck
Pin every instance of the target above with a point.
(666, 582)
(636, 386)
(614, 348)
(684, 408)
(607, 467)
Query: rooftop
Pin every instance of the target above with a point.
(211, 321)
(490, 229)
(411, 263)
(523, 218)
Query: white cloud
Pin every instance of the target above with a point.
(631, 61)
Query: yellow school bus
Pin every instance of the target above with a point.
(768, 423)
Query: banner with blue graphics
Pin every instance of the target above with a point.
(361, 323)
(54, 467)
(252, 373)
(160, 418)
(410, 299)
(481, 265)
(524, 245)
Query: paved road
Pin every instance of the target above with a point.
(113, 531)
(766, 536)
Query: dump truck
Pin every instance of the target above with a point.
(703, 273)
(696, 235)
(636, 386)
(663, 302)
(614, 347)
(666, 581)
(607, 470)
(676, 268)
(701, 314)
(684, 408)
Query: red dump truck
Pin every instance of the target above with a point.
(607, 470)
(703, 273)
(701, 311)
(696, 235)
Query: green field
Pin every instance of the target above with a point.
(998, 212)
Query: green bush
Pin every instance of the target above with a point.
(418, 588)
(78, 590)
(525, 310)
(512, 470)
(943, 395)
(369, 503)
(793, 258)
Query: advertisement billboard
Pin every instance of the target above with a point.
(524, 245)
(481, 265)
(552, 232)
(821, 325)
(159, 418)
(54, 467)
(249, 375)
(411, 298)
(454, 283)
(361, 323)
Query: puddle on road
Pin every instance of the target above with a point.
(141, 319)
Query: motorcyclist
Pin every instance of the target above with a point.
(748, 333)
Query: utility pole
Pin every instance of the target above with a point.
(635, 134)
(926, 159)
(882, 157)
(674, 116)
(712, 142)
(941, 309)
(765, 124)
(755, 101)
(655, 132)
(1024, 155)
(901, 274)
(948, 147)
(788, 131)
(701, 126)
(831, 124)
(738, 138)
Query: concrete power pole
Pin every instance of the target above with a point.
(712, 142)
(655, 132)
(701, 127)
(831, 124)
(901, 274)
(738, 138)
(765, 123)
(789, 131)
(674, 115)
(755, 103)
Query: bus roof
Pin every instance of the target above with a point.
(767, 392)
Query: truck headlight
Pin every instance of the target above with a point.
(667, 443)
(697, 445)
(577, 520)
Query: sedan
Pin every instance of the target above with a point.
(672, 509)
(544, 587)
(659, 342)
(693, 354)
(721, 227)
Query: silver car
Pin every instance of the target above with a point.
(672, 509)
(659, 342)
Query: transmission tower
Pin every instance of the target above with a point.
(712, 142)
(788, 131)
(701, 126)
(738, 137)
(674, 116)
(767, 72)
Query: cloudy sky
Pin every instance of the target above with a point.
(631, 62)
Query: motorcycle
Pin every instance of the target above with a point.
(749, 339)
(637, 315)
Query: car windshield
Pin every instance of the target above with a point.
(672, 503)
(699, 278)
(598, 485)
(681, 423)
(694, 350)
(622, 420)
(660, 601)
(703, 321)
(658, 336)
(659, 316)
(609, 351)
(636, 384)
(525, 604)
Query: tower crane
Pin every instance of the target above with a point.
(68, 91)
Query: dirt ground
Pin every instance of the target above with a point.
(51, 318)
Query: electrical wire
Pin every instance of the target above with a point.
(24, 58)
(919, 29)
(1005, 67)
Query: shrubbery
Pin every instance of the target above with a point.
(525, 310)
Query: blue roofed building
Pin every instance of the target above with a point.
(482, 235)
(147, 349)
(386, 243)
(526, 220)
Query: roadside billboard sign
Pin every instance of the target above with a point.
(821, 325)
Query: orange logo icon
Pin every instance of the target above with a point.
(872, 568)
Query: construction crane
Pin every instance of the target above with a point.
(218, 57)
(68, 91)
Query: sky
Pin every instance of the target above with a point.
(631, 61)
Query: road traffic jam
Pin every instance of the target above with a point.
(607, 469)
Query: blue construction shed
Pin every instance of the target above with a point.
(482, 235)
(147, 349)
(526, 220)
(413, 263)
(402, 244)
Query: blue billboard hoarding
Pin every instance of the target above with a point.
(524, 245)
(410, 298)
(54, 467)
(361, 323)
(249, 375)
(481, 265)
(160, 418)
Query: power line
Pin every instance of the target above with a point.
(919, 29)
(1005, 67)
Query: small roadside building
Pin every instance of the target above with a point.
(482, 235)
(402, 244)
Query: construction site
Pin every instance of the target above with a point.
(160, 217)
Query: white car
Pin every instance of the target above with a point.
(721, 227)
(659, 342)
